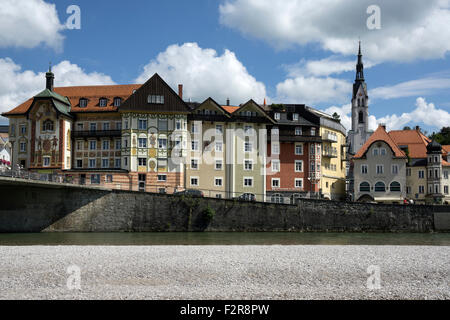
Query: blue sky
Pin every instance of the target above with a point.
(292, 51)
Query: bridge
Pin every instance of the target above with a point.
(39, 206)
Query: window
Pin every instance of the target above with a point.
(142, 162)
(118, 163)
(106, 126)
(80, 126)
(142, 142)
(177, 124)
(277, 116)
(446, 189)
(105, 163)
(194, 164)
(194, 181)
(105, 145)
(162, 143)
(277, 198)
(93, 127)
(162, 124)
(194, 128)
(394, 169)
(421, 189)
(79, 163)
(275, 165)
(295, 117)
(380, 187)
(248, 147)
(194, 145)
(92, 163)
(48, 126)
(275, 148)
(408, 190)
(299, 183)
(248, 182)
(23, 147)
(95, 179)
(126, 124)
(92, 145)
(155, 99)
(364, 187)
(361, 114)
(248, 130)
(383, 151)
(380, 169)
(126, 143)
(375, 152)
(83, 103)
(395, 187)
(313, 131)
(118, 144)
(364, 169)
(117, 102)
(218, 182)
(142, 124)
(298, 166)
(446, 175)
(275, 131)
(109, 178)
(219, 164)
(275, 183)
(162, 178)
(103, 102)
(125, 161)
(298, 149)
(248, 165)
(46, 161)
(298, 131)
(421, 174)
(219, 129)
(162, 164)
(219, 146)
(408, 172)
(437, 188)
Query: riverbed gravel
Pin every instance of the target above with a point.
(224, 272)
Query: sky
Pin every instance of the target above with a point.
(284, 51)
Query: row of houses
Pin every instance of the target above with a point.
(147, 138)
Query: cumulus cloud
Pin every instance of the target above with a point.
(205, 74)
(17, 86)
(424, 113)
(311, 90)
(29, 23)
(410, 29)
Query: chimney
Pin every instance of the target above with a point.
(417, 128)
(180, 91)
(383, 125)
(228, 102)
(50, 78)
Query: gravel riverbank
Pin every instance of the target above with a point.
(224, 272)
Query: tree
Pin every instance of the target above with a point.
(337, 117)
(442, 137)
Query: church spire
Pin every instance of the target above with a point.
(50, 78)
(360, 66)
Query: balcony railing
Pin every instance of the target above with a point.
(97, 133)
(330, 154)
(328, 137)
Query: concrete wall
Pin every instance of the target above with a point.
(46, 207)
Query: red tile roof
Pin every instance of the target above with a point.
(230, 109)
(415, 140)
(92, 93)
(380, 135)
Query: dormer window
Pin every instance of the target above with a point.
(277, 116)
(248, 114)
(155, 99)
(117, 102)
(83, 103)
(48, 126)
(295, 117)
(103, 102)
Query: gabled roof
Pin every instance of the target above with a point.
(155, 86)
(252, 103)
(415, 140)
(380, 135)
(217, 106)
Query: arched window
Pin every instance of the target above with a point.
(380, 187)
(48, 125)
(395, 187)
(277, 198)
(83, 103)
(361, 117)
(364, 187)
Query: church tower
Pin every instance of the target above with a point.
(359, 132)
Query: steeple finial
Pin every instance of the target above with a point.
(360, 66)
(50, 78)
(50, 66)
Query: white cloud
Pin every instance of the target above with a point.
(205, 74)
(410, 29)
(17, 86)
(311, 90)
(424, 113)
(411, 88)
(29, 23)
(324, 67)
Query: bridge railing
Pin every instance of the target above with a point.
(291, 197)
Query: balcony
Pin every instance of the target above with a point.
(97, 133)
(328, 137)
(330, 153)
(293, 138)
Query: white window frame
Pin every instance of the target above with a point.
(364, 166)
(44, 160)
(295, 149)
(197, 143)
(249, 179)
(295, 165)
(295, 117)
(382, 169)
(194, 185)
(94, 161)
(276, 165)
(250, 161)
(195, 160)
(396, 170)
(217, 144)
(275, 148)
(103, 160)
(215, 181)
(160, 176)
(277, 116)
(221, 164)
(250, 145)
(298, 131)
(90, 144)
(295, 183)
(278, 180)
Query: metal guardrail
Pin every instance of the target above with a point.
(275, 197)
